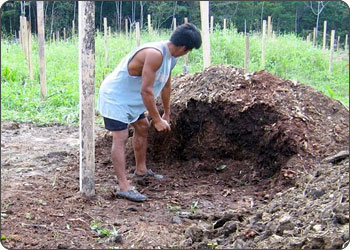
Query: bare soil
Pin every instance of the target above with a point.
(245, 166)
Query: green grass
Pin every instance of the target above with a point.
(287, 56)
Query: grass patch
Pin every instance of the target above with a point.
(287, 56)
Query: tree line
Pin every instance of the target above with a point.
(299, 17)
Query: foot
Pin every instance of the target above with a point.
(149, 173)
(132, 195)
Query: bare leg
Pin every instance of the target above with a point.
(140, 144)
(118, 158)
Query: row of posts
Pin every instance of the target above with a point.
(267, 33)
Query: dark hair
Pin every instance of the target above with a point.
(187, 35)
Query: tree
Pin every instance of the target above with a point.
(320, 6)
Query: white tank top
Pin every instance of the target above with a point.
(120, 93)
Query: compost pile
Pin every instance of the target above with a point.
(257, 126)
(263, 122)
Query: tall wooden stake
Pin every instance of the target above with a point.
(174, 23)
(30, 54)
(185, 68)
(149, 23)
(87, 94)
(263, 45)
(211, 24)
(204, 7)
(41, 41)
(346, 42)
(246, 55)
(324, 35)
(314, 38)
(126, 28)
(137, 34)
(332, 50)
(106, 40)
(269, 27)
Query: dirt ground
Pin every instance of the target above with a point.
(245, 166)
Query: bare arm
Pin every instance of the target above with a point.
(165, 95)
(153, 60)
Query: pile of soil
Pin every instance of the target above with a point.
(244, 168)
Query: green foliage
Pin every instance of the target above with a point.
(287, 56)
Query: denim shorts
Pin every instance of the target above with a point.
(114, 125)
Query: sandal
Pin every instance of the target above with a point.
(132, 195)
(149, 173)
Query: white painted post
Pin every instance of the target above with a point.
(106, 40)
(174, 23)
(211, 24)
(64, 34)
(137, 34)
(126, 28)
(246, 55)
(324, 35)
(30, 54)
(149, 24)
(346, 42)
(314, 38)
(87, 96)
(263, 45)
(338, 43)
(332, 50)
(204, 7)
(41, 41)
(185, 68)
(269, 27)
(73, 28)
(224, 24)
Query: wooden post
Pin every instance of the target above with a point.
(149, 23)
(269, 27)
(185, 68)
(174, 23)
(73, 28)
(246, 55)
(332, 50)
(57, 35)
(338, 43)
(87, 94)
(346, 42)
(263, 45)
(126, 28)
(324, 35)
(109, 31)
(24, 35)
(314, 38)
(106, 40)
(30, 57)
(211, 24)
(308, 38)
(204, 7)
(64, 34)
(41, 41)
(224, 24)
(137, 34)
